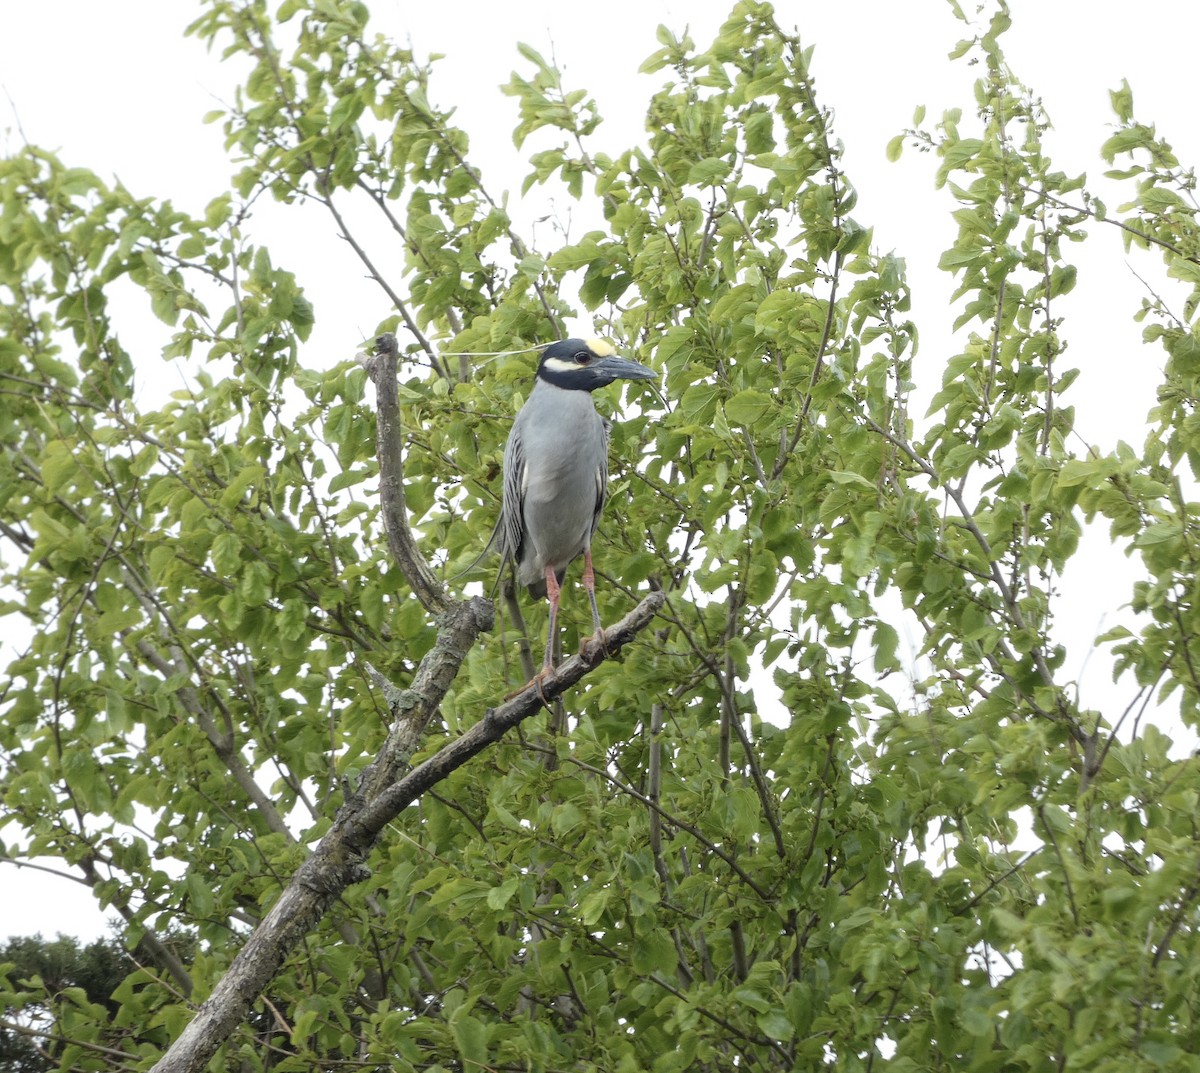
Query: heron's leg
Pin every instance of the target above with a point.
(547, 671)
(552, 594)
(589, 583)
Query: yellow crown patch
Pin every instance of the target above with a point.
(602, 348)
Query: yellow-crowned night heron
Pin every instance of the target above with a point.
(556, 471)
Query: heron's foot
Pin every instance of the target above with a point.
(594, 647)
(547, 673)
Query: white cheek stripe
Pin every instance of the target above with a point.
(559, 366)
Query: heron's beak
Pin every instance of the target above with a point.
(614, 368)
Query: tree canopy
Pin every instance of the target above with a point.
(830, 798)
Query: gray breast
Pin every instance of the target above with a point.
(564, 450)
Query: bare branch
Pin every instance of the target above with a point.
(382, 369)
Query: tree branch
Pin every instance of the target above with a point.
(381, 367)
(496, 721)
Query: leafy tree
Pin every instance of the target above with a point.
(248, 710)
(58, 976)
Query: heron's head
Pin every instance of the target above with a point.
(586, 364)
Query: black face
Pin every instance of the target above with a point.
(582, 365)
(577, 350)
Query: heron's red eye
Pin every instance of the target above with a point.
(583, 357)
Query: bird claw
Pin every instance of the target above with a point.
(536, 682)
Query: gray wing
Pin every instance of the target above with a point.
(512, 504)
(601, 476)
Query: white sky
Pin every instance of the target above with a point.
(118, 89)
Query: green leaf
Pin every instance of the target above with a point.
(199, 896)
(498, 897)
(592, 907)
(1122, 102)
(655, 953)
(112, 622)
(856, 480)
(885, 640)
(747, 407)
(775, 1024)
(565, 818)
(470, 1040)
(1159, 533)
(710, 172)
(59, 467)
